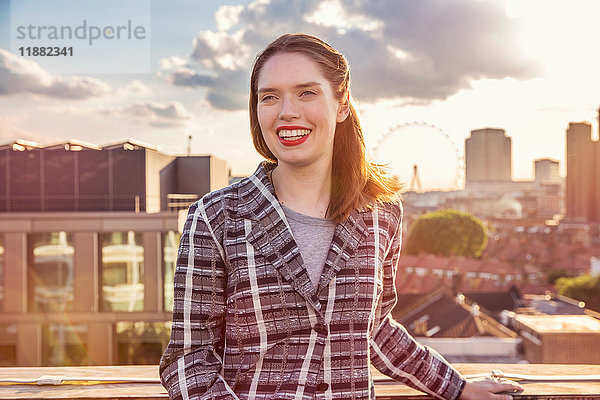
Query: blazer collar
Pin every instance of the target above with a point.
(271, 236)
(256, 192)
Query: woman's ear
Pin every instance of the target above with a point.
(344, 108)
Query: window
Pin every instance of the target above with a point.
(93, 179)
(59, 179)
(8, 345)
(4, 159)
(141, 343)
(122, 271)
(50, 272)
(24, 170)
(170, 249)
(64, 345)
(1, 272)
(126, 187)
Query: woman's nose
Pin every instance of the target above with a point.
(289, 110)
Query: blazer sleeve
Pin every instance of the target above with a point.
(190, 367)
(395, 353)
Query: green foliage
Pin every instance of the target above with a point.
(447, 232)
(554, 274)
(584, 288)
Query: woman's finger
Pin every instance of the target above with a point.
(507, 386)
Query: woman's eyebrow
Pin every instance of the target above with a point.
(266, 89)
(307, 84)
(298, 86)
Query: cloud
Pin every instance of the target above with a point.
(135, 88)
(10, 128)
(228, 16)
(152, 113)
(184, 76)
(225, 90)
(172, 62)
(18, 74)
(418, 50)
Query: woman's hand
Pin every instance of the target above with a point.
(490, 389)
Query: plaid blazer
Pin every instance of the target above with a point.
(249, 324)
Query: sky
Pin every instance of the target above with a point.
(424, 74)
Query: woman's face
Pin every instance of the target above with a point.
(297, 111)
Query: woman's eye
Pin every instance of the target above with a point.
(267, 97)
(308, 93)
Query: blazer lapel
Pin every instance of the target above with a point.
(271, 236)
(346, 238)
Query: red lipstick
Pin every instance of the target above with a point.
(300, 140)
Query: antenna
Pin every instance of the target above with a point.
(416, 180)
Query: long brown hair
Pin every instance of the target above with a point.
(355, 182)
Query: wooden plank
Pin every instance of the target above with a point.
(533, 390)
(90, 391)
(385, 390)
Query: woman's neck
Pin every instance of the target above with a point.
(304, 190)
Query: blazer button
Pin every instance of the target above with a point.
(321, 387)
(321, 328)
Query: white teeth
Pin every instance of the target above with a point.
(287, 134)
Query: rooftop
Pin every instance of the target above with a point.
(440, 314)
(560, 323)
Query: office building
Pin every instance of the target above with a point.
(85, 288)
(546, 172)
(88, 245)
(488, 157)
(583, 174)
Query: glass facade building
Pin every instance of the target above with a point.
(50, 272)
(122, 271)
(64, 345)
(170, 249)
(98, 290)
(89, 237)
(1, 272)
(141, 343)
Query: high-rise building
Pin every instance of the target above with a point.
(488, 157)
(583, 173)
(597, 172)
(546, 172)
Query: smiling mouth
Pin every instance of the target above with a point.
(291, 135)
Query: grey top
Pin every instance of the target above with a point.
(313, 236)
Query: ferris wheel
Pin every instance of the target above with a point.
(440, 142)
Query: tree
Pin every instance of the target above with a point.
(447, 232)
(584, 288)
(554, 274)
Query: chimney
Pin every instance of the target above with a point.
(457, 282)
(420, 327)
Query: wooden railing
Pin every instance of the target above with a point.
(80, 382)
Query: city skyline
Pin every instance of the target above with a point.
(527, 67)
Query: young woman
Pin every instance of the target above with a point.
(285, 280)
